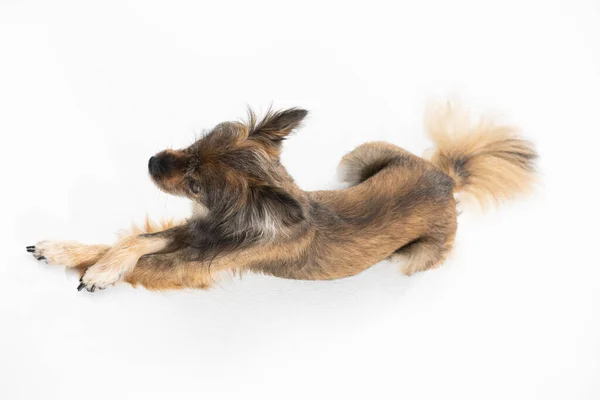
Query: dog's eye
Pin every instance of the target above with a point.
(194, 187)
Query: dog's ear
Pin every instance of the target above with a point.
(275, 125)
(276, 204)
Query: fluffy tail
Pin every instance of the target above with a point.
(485, 159)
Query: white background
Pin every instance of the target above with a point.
(90, 90)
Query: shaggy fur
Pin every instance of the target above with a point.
(249, 215)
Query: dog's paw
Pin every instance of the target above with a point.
(104, 273)
(90, 287)
(54, 252)
(37, 252)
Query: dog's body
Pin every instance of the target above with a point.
(250, 216)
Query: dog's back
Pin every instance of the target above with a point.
(399, 204)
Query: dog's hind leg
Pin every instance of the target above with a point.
(424, 253)
(368, 159)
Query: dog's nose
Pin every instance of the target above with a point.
(155, 167)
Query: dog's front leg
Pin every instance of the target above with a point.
(69, 253)
(80, 256)
(121, 258)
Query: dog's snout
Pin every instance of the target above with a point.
(155, 166)
(167, 163)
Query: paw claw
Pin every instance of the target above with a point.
(30, 249)
(80, 287)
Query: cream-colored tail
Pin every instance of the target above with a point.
(487, 160)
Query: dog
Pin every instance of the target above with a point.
(249, 215)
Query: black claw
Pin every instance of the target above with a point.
(30, 249)
(40, 258)
(81, 278)
(81, 286)
(101, 288)
(92, 289)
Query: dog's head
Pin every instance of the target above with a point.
(235, 169)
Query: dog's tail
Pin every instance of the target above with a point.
(486, 160)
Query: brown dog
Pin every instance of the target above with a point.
(250, 215)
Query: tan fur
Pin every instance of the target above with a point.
(69, 253)
(72, 254)
(431, 225)
(429, 254)
(121, 259)
(398, 205)
(150, 226)
(354, 163)
(496, 163)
